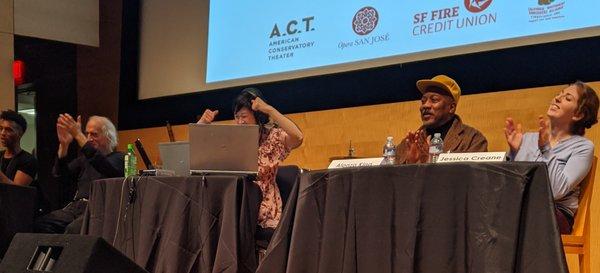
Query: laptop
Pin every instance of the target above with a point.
(220, 148)
(175, 157)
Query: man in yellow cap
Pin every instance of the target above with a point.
(438, 107)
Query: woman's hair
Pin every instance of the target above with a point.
(245, 98)
(587, 106)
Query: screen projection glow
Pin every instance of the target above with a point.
(255, 38)
(196, 45)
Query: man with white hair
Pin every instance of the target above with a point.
(98, 160)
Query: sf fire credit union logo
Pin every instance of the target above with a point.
(477, 5)
(365, 20)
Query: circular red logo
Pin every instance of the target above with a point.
(477, 5)
(365, 20)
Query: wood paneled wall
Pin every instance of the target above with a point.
(328, 133)
(7, 87)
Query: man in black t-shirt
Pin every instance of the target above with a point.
(17, 166)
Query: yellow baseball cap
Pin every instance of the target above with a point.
(441, 81)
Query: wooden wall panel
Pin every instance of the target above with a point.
(327, 133)
(7, 84)
(6, 16)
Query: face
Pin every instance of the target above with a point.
(10, 133)
(436, 109)
(96, 137)
(563, 106)
(245, 116)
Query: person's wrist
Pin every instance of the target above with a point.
(269, 110)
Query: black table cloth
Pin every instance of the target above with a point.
(17, 210)
(458, 217)
(178, 224)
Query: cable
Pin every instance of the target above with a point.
(120, 207)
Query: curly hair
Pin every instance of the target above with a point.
(587, 106)
(15, 117)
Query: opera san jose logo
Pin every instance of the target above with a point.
(365, 20)
(477, 5)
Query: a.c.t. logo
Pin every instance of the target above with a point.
(365, 20)
(477, 5)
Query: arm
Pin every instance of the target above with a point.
(25, 170)
(565, 178)
(294, 136)
(21, 179)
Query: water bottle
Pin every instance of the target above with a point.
(389, 152)
(436, 147)
(130, 161)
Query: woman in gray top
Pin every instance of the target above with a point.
(559, 143)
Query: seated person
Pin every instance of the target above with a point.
(560, 144)
(438, 107)
(17, 166)
(98, 160)
(276, 141)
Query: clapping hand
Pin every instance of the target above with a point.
(68, 124)
(418, 144)
(64, 137)
(514, 134)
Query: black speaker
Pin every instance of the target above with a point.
(60, 253)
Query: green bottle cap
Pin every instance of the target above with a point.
(130, 147)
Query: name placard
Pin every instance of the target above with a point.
(359, 162)
(472, 157)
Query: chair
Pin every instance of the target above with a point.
(578, 242)
(287, 176)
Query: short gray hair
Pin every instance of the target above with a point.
(109, 129)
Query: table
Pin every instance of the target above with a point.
(455, 217)
(178, 224)
(17, 213)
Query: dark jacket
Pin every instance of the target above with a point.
(89, 166)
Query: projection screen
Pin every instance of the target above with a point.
(196, 45)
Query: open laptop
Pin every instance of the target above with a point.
(175, 156)
(219, 148)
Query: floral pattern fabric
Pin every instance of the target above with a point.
(271, 152)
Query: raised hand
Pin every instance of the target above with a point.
(64, 137)
(71, 125)
(208, 116)
(544, 132)
(260, 105)
(514, 134)
(418, 144)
